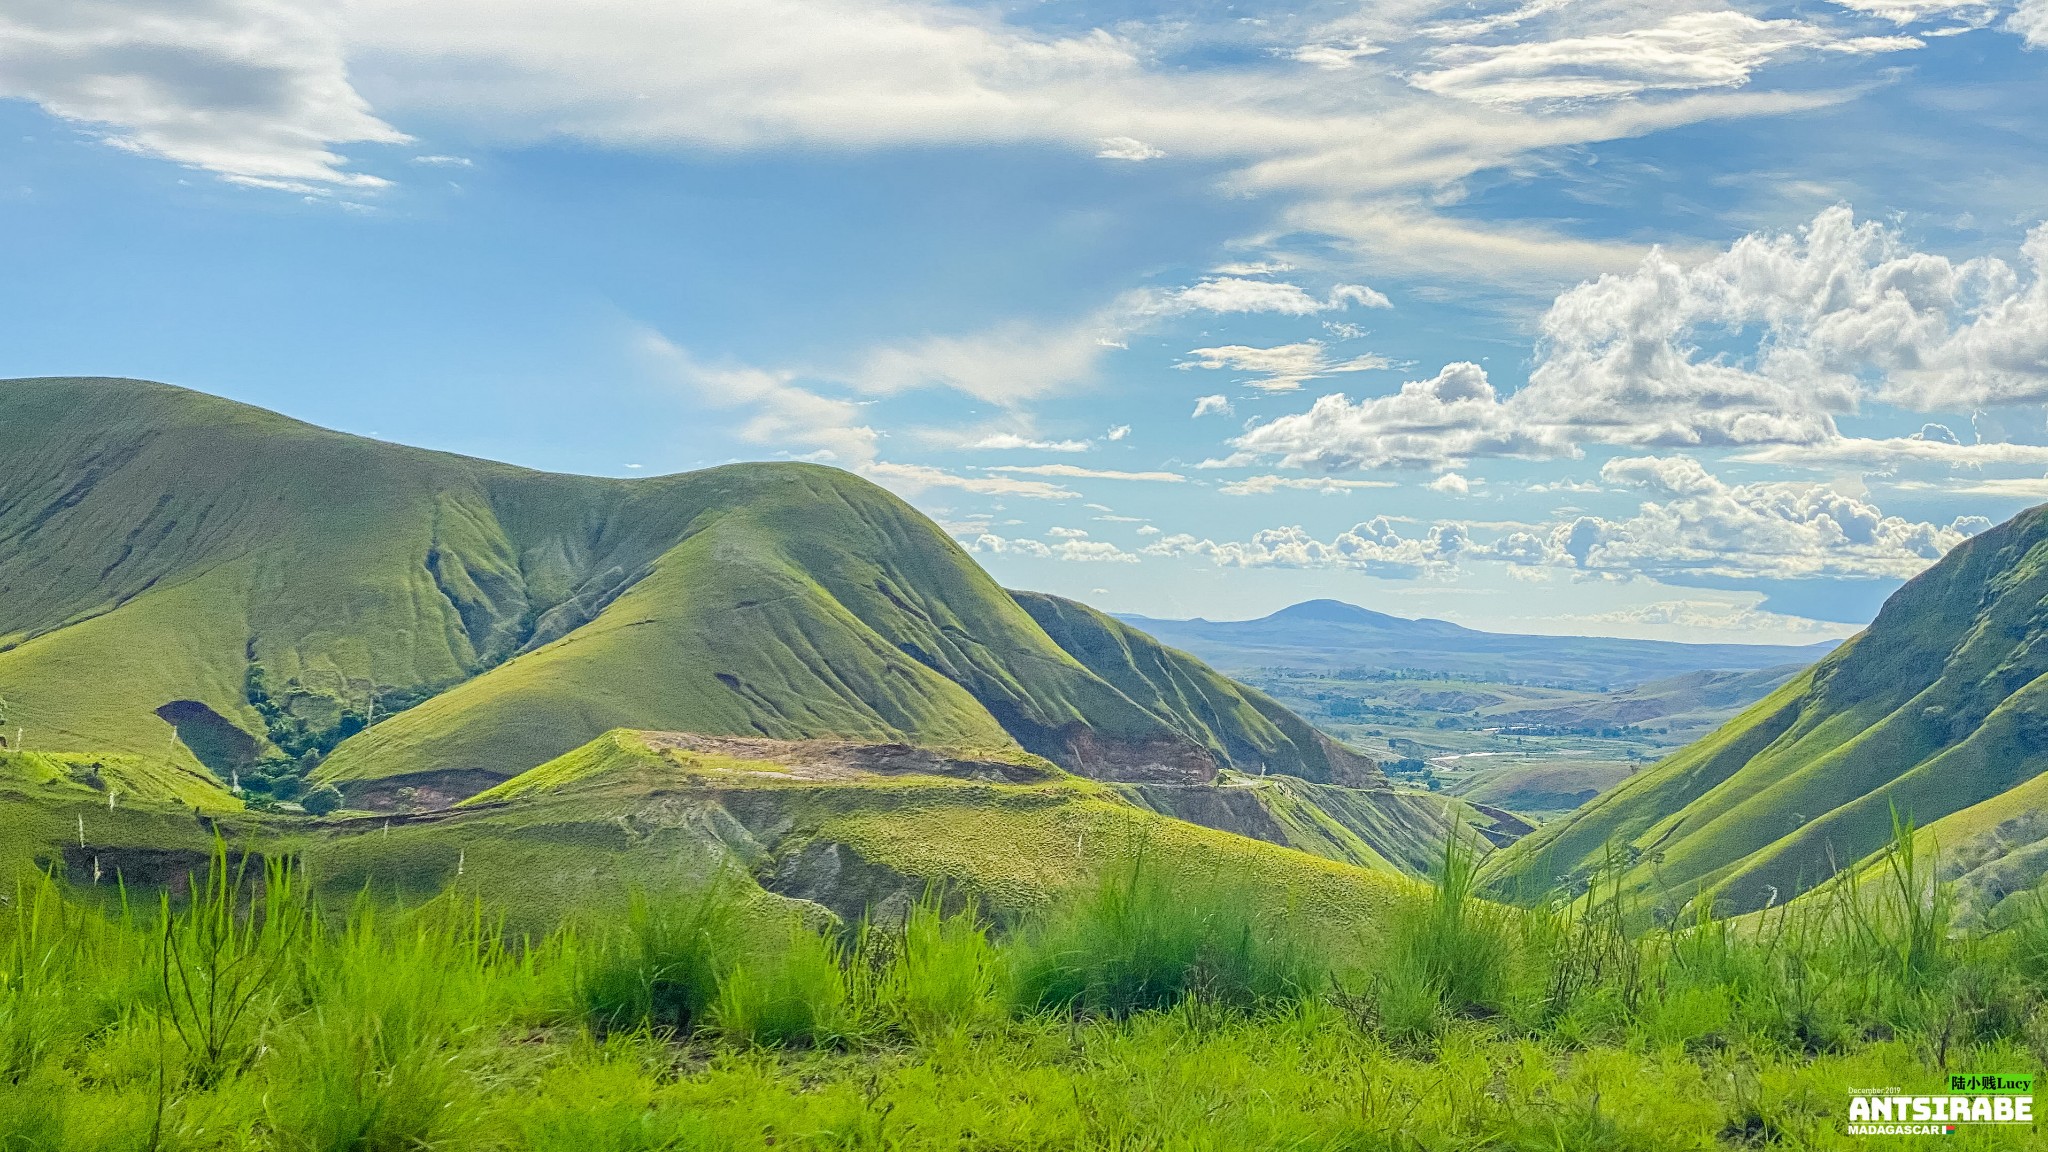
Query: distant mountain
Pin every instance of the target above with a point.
(1939, 710)
(175, 561)
(1329, 635)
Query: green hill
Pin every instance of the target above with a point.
(843, 827)
(433, 622)
(1939, 709)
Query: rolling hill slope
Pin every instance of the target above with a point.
(173, 560)
(1940, 708)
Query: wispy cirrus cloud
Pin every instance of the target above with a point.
(1283, 367)
(1326, 485)
(1686, 51)
(1075, 472)
(1243, 294)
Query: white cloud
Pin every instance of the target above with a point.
(915, 479)
(1764, 344)
(1077, 473)
(1697, 524)
(1282, 368)
(1007, 364)
(1119, 432)
(2032, 488)
(1125, 148)
(1843, 311)
(996, 545)
(1410, 236)
(1574, 487)
(1005, 441)
(1067, 533)
(1967, 13)
(1892, 453)
(1326, 485)
(1710, 616)
(1452, 484)
(1428, 423)
(1466, 29)
(779, 413)
(1687, 51)
(1253, 268)
(2029, 21)
(1335, 55)
(1205, 405)
(1373, 546)
(1242, 294)
(254, 90)
(1691, 525)
(1074, 549)
(444, 161)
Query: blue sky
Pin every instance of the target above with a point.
(1684, 320)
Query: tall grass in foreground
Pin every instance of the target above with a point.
(1144, 939)
(1145, 1005)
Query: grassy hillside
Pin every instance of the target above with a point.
(834, 826)
(273, 591)
(1939, 707)
(1382, 829)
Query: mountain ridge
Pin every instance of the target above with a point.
(1334, 635)
(398, 611)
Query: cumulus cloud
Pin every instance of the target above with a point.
(1686, 51)
(1568, 485)
(1842, 311)
(1451, 484)
(1762, 345)
(1690, 526)
(1284, 367)
(1207, 405)
(257, 91)
(1326, 485)
(1373, 546)
(1429, 423)
(1125, 148)
(1118, 432)
(1696, 524)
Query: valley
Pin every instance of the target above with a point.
(742, 808)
